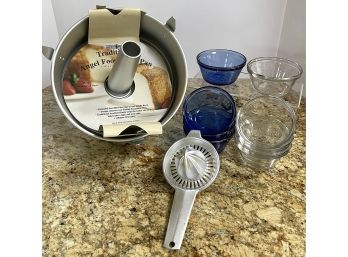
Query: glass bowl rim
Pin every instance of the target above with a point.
(263, 77)
(216, 68)
(229, 137)
(229, 132)
(222, 140)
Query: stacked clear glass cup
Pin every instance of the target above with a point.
(265, 125)
(264, 130)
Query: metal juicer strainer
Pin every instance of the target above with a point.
(190, 165)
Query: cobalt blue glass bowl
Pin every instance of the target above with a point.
(209, 109)
(218, 143)
(215, 137)
(220, 66)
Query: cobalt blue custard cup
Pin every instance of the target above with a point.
(218, 141)
(209, 109)
(220, 66)
(211, 137)
(221, 144)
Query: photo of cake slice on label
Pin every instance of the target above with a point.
(88, 68)
(159, 85)
(92, 63)
(90, 103)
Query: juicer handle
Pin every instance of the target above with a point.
(179, 217)
(47, 52)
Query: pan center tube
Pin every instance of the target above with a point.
(120, 82)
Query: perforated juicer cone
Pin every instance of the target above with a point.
(190, 165)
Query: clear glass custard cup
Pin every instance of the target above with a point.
(264, 131)
(273, 75)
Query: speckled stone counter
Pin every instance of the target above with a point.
(106, 199)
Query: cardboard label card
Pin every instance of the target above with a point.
(105, 27)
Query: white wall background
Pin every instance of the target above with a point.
(292, 43)
(49, 38)
(254, 28)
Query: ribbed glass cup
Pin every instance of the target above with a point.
(264, 131)
(273, 75)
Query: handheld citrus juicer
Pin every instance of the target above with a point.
(189, 166)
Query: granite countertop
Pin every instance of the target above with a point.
(106, 199)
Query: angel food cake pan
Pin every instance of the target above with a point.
(80, 68)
